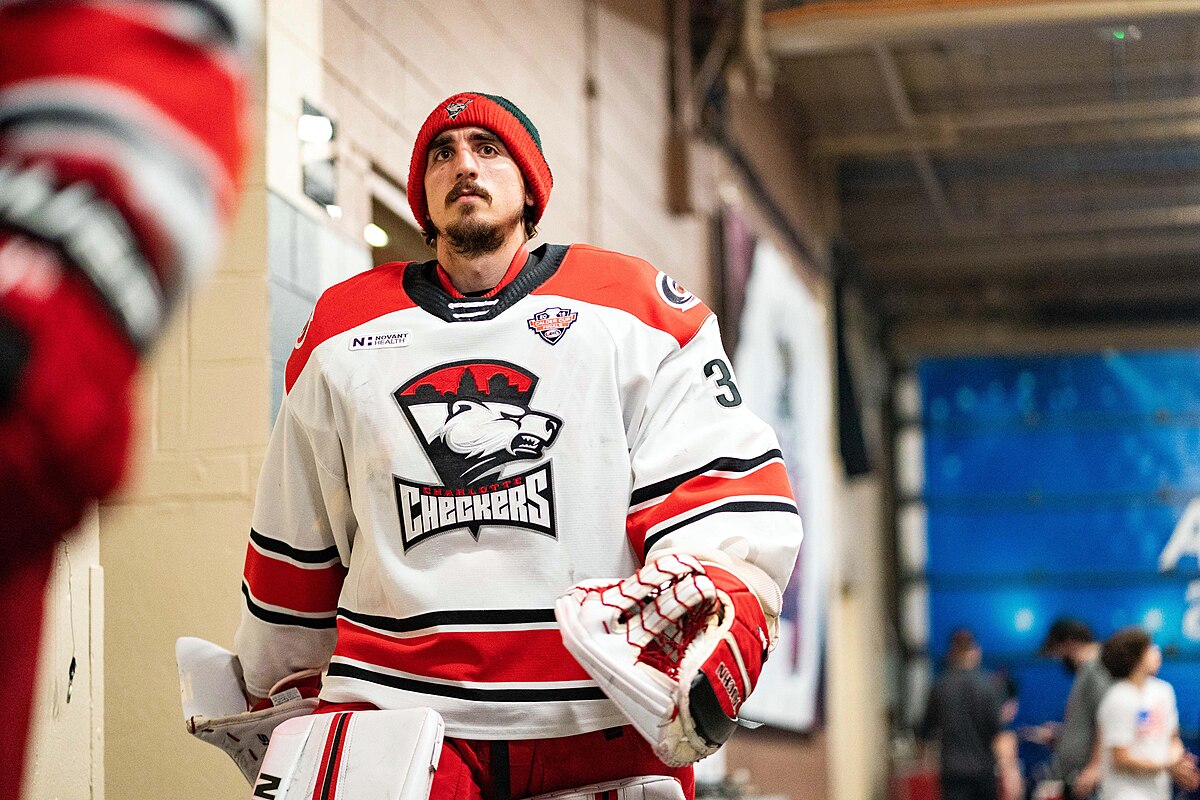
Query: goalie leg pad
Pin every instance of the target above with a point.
(641, 787)
(353, 755)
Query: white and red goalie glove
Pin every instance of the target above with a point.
(678, 646)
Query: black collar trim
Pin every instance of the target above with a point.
(422, 285)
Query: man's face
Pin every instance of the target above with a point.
(1066, 654)
(474, 189)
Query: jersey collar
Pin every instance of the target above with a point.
(515, 266)
(424, 284)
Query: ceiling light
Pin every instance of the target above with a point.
(1123, 33)
(314, 129)
(375, 235)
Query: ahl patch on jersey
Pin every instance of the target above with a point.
(474, 420)
(552, 323)
(673, 292)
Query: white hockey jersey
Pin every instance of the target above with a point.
(444, 467)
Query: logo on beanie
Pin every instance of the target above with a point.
(454, 109)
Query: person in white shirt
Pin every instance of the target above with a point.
(1138, 724)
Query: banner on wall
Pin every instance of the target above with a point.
(1064, 485)
(783, 367)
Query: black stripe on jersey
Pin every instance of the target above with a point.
(728, 508)
(491, 616)
(279, 618)
(422, 285)
(668, 485)
(338, 669)
(220, 18)
(294, 553)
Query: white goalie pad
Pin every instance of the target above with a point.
(642, 787)
(214, 704)
(353, 755)
(610, 626)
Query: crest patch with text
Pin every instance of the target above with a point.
(474, 421)
(552, 323)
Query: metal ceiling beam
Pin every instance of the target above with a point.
(1038, 78)
(1038, 225)
(958, 261)
(1078, 124)
(1107, 290)
(1083, 113)
(899, 207)
(1050, 166)
(854, 24)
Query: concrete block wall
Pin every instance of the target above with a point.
(305, 257)
(172, 543)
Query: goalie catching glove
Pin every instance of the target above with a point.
(678, 646)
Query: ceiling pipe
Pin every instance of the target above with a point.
(882, 145)
(902, 108)
(822, 27)
(755, 51)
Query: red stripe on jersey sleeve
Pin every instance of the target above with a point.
(610, 279)
(279, 583)
(192, 87)
(483, 656)
(353, 302)
(770, 480)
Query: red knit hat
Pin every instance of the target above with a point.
(491, 112)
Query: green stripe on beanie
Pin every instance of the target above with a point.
(507, 105)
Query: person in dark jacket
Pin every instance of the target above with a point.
(966, 713)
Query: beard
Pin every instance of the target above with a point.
(470, 236)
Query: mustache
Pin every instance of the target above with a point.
(465, 187)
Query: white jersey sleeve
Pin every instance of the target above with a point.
(708, 475)
(299, 546)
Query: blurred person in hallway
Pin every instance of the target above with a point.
(121, 150)
(1076, 759)
(1138, 724)
(968, 712)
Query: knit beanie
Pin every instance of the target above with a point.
(490, 112)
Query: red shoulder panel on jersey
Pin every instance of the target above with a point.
(630, 284)
(353, 302)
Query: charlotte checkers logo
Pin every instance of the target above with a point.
(454, 109)
(473, 420)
